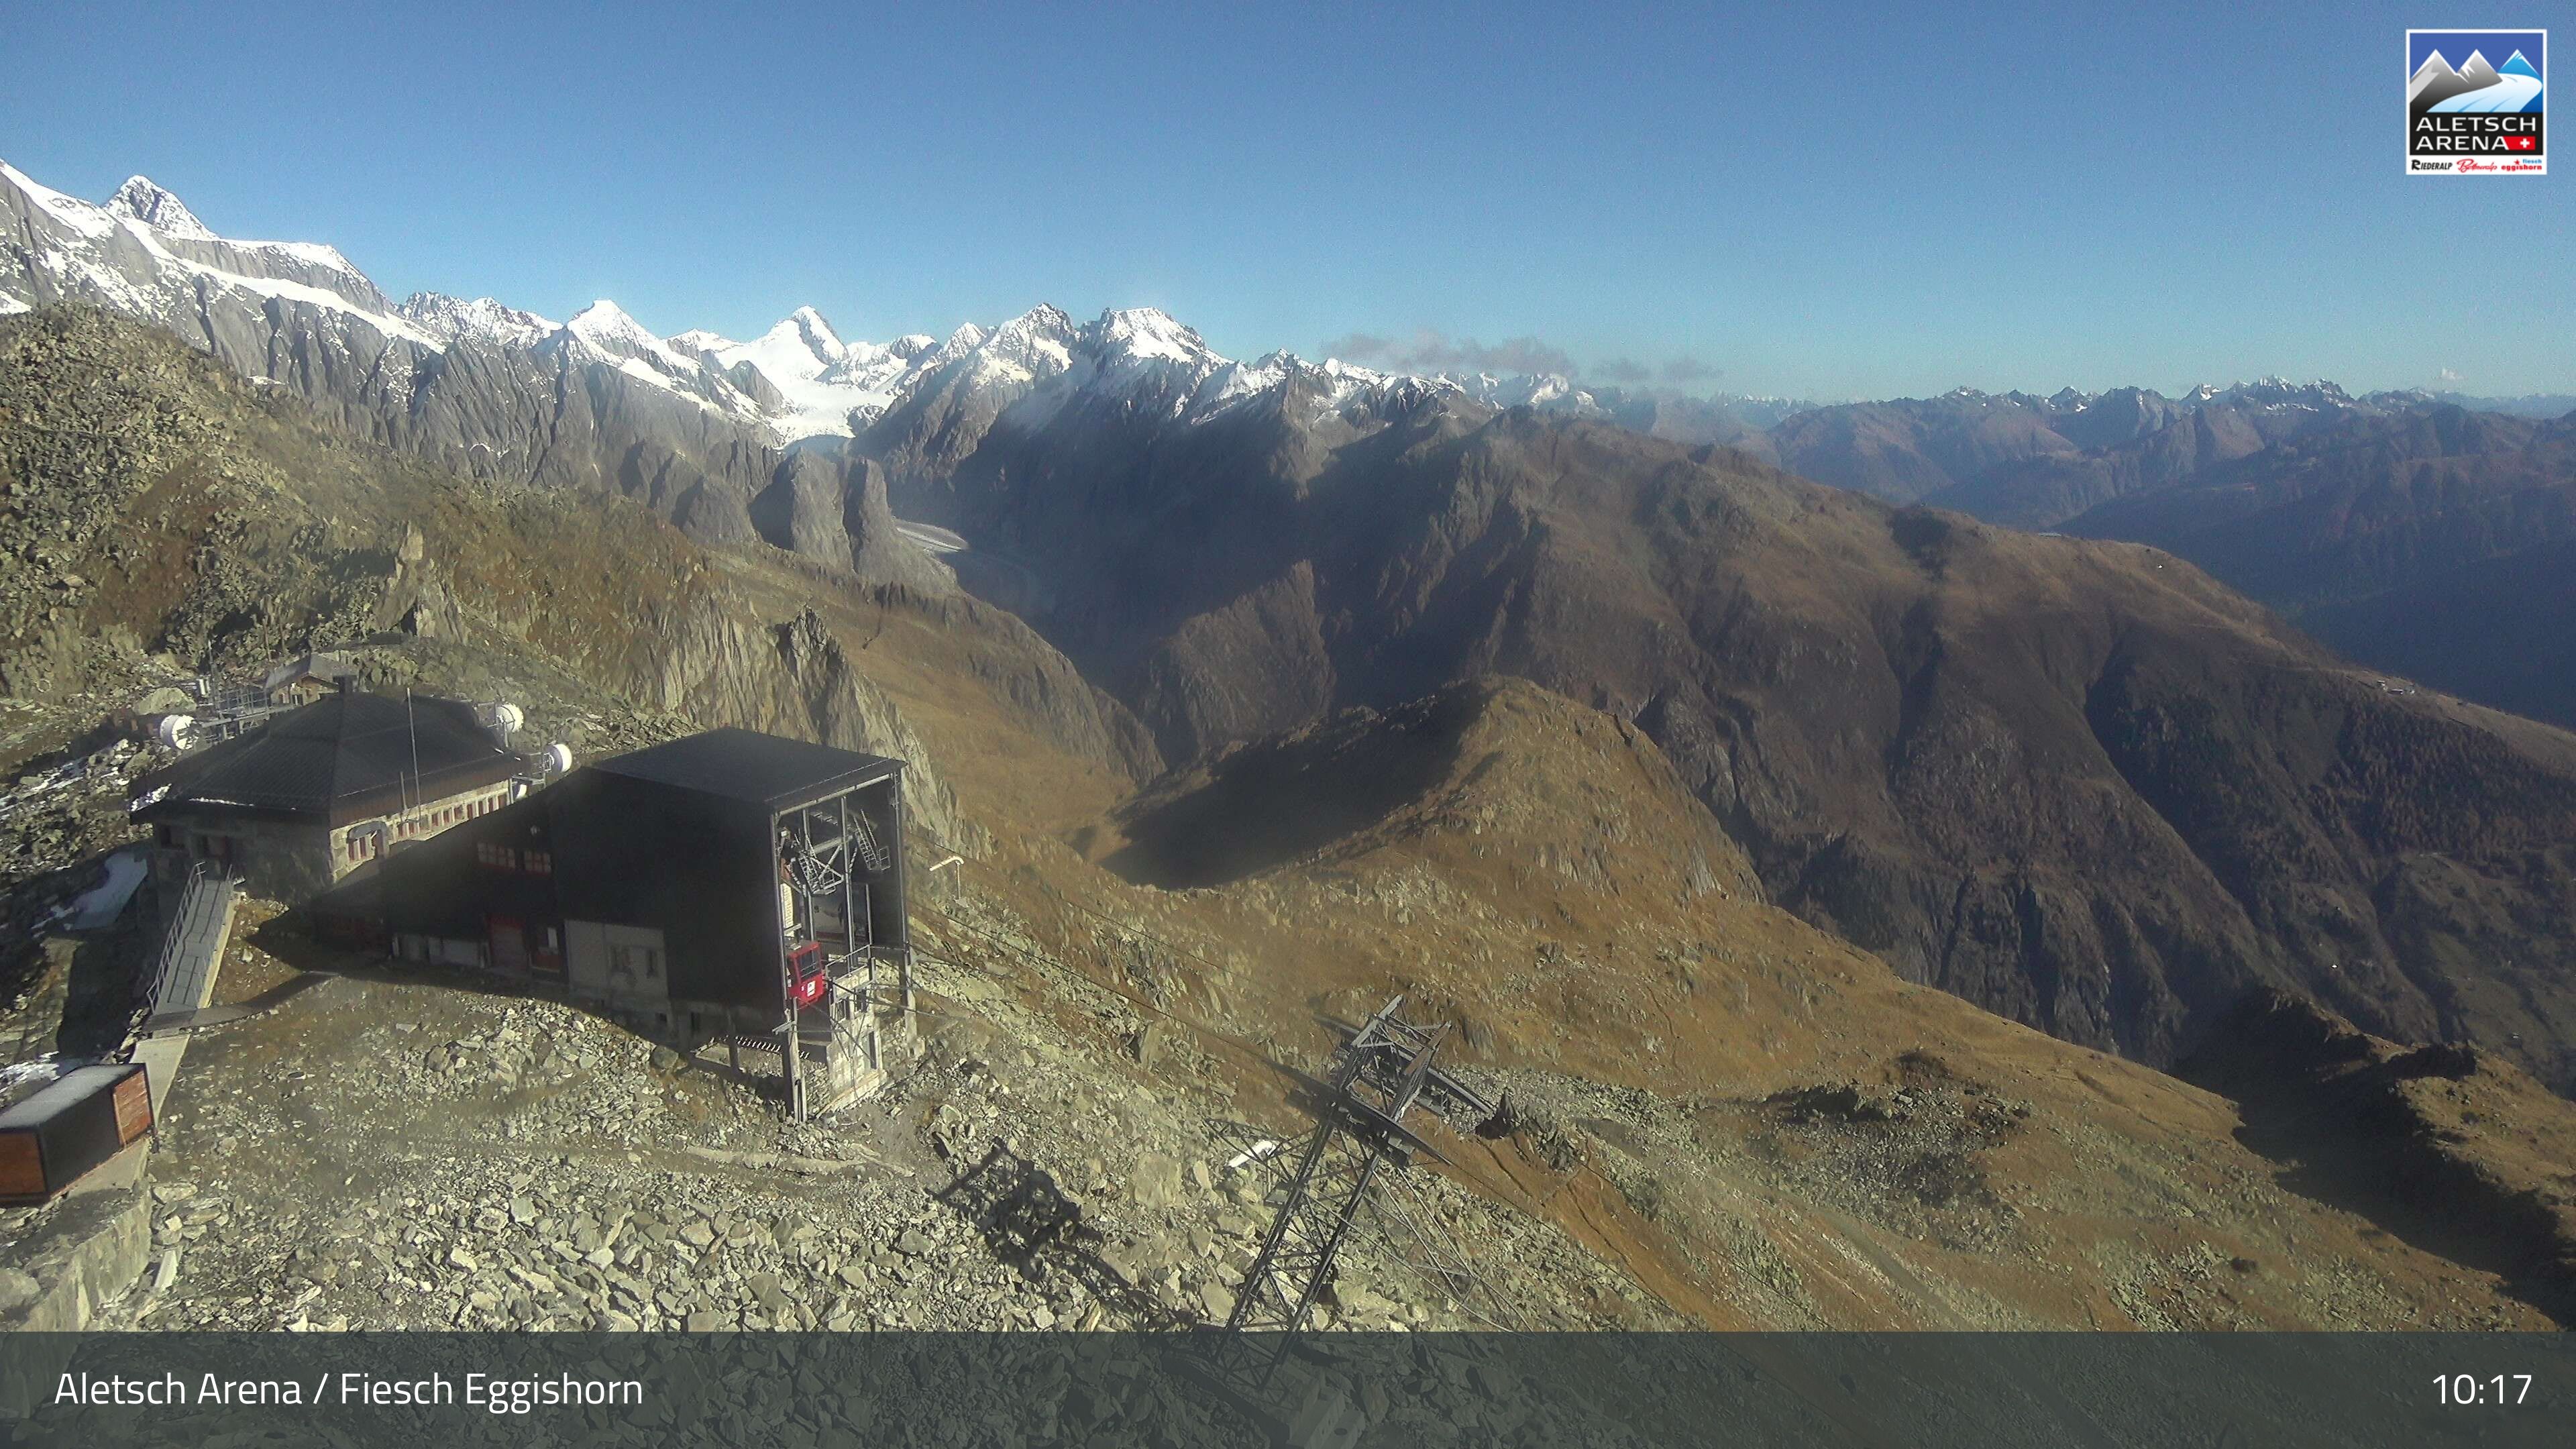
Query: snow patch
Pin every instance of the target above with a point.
(98, 907)
(71, 211)
(322, 297)
(482, 320)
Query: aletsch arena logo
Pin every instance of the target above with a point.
(2473, 102)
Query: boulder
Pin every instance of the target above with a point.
(1155, 1181)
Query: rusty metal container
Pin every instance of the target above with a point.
(73, 1124)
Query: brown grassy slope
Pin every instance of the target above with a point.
(2078, 783)
(1761, 1123)
(2459, 1149)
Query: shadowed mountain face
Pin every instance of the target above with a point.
(2079, 783)
(2431, 544)
(2410, 532)
(2453, 1149)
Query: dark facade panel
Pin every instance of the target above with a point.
(701, 868)
(606, 847)
(618, 851)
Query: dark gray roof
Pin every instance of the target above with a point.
(770, 771)
(344, 757)
(307, 666)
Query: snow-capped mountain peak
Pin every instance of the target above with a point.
(1036, 344)
(1150, 332)
(604, 325)
(604, 332)
(965, 339)
(157, 207)
(809, 379)
(145, 254)
(817, 335)
(453, 319)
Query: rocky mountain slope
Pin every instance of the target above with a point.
(2414, 532)
(476, 388)
(2078, 783)
(2417, 532)
(162, 516)
(2429, 544)
(2459, 1151)
(1763, 1123)
(1726, 1116)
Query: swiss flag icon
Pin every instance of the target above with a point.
(2522, 143)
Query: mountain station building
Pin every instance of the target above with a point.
(300, 801)
(729, 887)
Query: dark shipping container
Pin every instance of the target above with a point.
(88, 1115)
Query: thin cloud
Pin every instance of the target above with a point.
(1431, 351)
(1362, 347)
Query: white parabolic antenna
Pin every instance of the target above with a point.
(174, 730)
(557, 758)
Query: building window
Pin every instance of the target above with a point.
(501, 856)
(541, 862)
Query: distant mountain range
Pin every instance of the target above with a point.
(2077, 782)
(2410, 530)
(2394, 524)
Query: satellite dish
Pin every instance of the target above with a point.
(557, 759)
(174, 731)
(501, 716)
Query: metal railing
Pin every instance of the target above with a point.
(195, 934)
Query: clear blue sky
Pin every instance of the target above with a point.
(1872, 202)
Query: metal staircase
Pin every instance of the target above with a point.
(194, 943)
